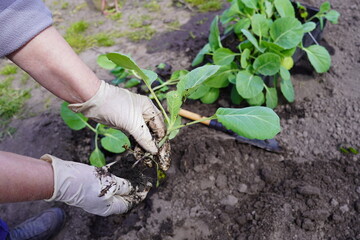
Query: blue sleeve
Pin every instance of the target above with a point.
(4, 230)
(20, 21)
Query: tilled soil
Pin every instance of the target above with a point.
(217, 188)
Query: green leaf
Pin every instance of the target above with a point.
(235, 97)
(286, 85)
(200, 56)
(242, 24)
(257, 100)
(267, 64)
(115, 141)
(319, 58)
(284, 8)
(199, 92)
(179, 74)
(197, 76)
(324, 7)
(103, 61)
(152, 76)
(269, 9)
(248, 85)
(271, 98)
(287, 32)
(132, 83)
(252, 122)
(223, 56)
(220, 78)
(174, 102)
(309, 26)
(175, 132)
(211, 96)
(244, 57)
(260, 25)
(75, 121)
(333, 16)
(126, 62)
(97, 158)
(252, 39)
(250, 3)
(214, 36)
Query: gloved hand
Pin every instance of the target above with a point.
(121, 109)
(93, 189)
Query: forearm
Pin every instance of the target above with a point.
(24, 179)
(51, 61)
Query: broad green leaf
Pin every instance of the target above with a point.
(286, 85)
(272, 47)
(200, 56)
(75, 121)
(245, 45)
(126, 62)
(214, 36)
(269, 9)
(223, 56)
(229, 14)
(251, 122)
(271, 98)
(260, 25)
(220, 78)
(179, 74)
(267, 64)
(332, 16)
(211, 96)
(97, 158)
(235, 97)
(250, 3)
(199, 92)
(319, 58)
(115, 141)
(288, 52)
(252, 39)
(197, 76)
(287, 32)
(284, 73)
(103, 61)
(324, 7)
(309, 26)
(244, 57)
(257, 100)
(248, 85)
(242, 24)
(174, 102)
(284, 8)
(132, 83)
(152, 76)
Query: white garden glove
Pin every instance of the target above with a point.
(93, 189)
(121, 109)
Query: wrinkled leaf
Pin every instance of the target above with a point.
(97, 158)
(319, 58)
(75, 121)
(248, 85)
(252, 122)
(267, 64)
(174, 102)
(223, 56)
(287, 32)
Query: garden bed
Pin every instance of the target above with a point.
(217, 188)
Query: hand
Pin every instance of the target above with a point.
(121, 109)
(93, 189)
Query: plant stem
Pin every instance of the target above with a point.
(89, 126)
(96, 135)
(165, 84)
(158, 103)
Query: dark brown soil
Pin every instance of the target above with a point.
(217, 188)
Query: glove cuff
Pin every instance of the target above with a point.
(54, 161)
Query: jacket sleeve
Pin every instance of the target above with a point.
(20, 21)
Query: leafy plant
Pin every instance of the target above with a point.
(251, 122)
(268, 34)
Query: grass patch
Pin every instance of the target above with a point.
(152, 6)
(8, 70)
(104, 39)
(11, 100)
(206, 6)
(145, 33)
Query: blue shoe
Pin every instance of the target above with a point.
(41, 227)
